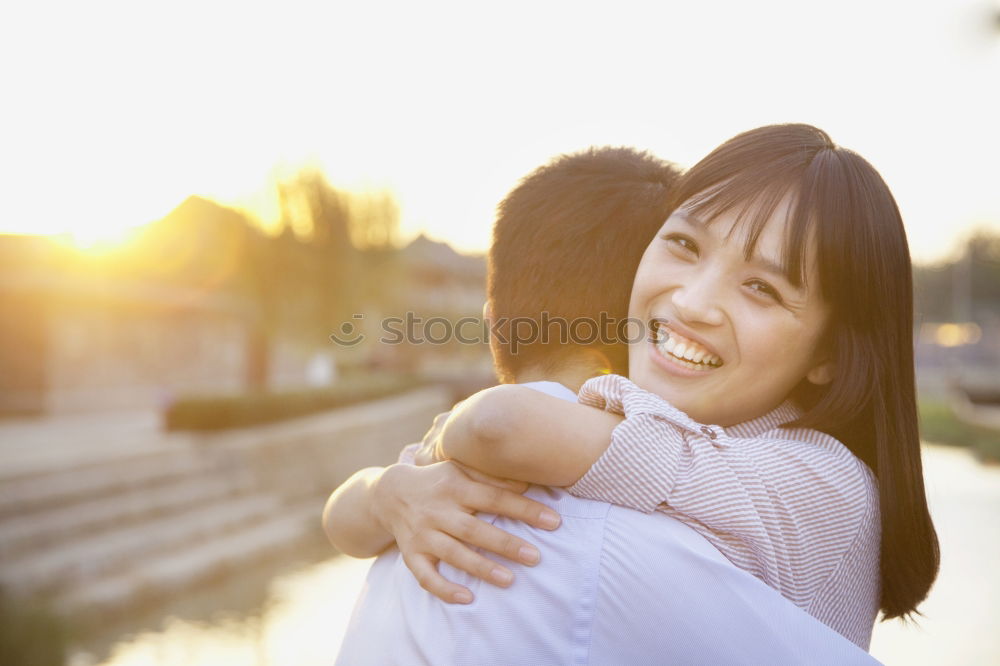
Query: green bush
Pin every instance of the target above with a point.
(221, 412)
(939, 424)
(31, 634)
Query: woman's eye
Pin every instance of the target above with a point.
(683, 243)
(763, 288)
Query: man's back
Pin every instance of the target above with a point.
(614, 586)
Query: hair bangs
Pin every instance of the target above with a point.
(844, 209)
(755, 195)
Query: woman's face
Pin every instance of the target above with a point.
(749, 334)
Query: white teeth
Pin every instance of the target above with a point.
(668, 342)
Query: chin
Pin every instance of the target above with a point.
(669, 393)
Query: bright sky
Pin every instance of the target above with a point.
(113, 113)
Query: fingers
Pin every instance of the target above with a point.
(460, 556)
(427, 453)
(477, 532)
(502, 502)
(437, 426)
(436, 523)
(510, 484)
(426, 573)
(439, 420)
(424, 456)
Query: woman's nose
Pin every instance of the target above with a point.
(698, 300)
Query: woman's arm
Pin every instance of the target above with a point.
(428, 512)
(519, 433)
(348, 519)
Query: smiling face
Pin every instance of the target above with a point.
(747, 335)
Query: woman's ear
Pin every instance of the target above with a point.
(488, 313)
(822, 373)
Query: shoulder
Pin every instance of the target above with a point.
(832, 451)
(819, 466)
(822, 450)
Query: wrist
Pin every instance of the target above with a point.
(383, 495)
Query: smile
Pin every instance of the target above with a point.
(683, 351)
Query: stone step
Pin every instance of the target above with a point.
(22, 496)
(122, 549)
(176, 455)
(34, 446)
(169, 572)
(50, 527)
(292, 464)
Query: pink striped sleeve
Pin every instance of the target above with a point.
(652, 462)
(640, 467)
(794, 507)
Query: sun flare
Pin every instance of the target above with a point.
(97, 238)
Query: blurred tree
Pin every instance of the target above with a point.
(31, 633)
(327, 264)
(334, 255)
(347, 259)
(973, 277)
(983, 251)
(374, 230)
(374, 221)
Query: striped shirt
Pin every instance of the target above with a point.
(792, 506)
(614, 586)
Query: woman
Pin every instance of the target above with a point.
(779, 301)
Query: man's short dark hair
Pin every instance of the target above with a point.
(567, 241)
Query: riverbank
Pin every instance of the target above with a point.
(304, 611)
(960, 616)
(105, 517)
(940, 422)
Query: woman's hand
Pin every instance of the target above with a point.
(430, 447)
(430, 511)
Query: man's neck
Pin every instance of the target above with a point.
(571, 376)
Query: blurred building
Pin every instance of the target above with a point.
(81, 333)
(75, 341)
(441, 282)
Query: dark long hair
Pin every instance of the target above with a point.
(841, 202)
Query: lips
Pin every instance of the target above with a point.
(683, 347)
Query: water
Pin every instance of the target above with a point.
(962, 615)
(301, 623)
(302, 620)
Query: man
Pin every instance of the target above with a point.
(610, 585)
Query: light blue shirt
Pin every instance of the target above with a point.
(614, 586)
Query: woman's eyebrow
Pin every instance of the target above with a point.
(763, 263)
(689, 217)
(776, 269)
(768, 265)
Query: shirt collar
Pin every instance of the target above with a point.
(555, 389)
(783, 413)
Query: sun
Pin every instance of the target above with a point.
(94, 237)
